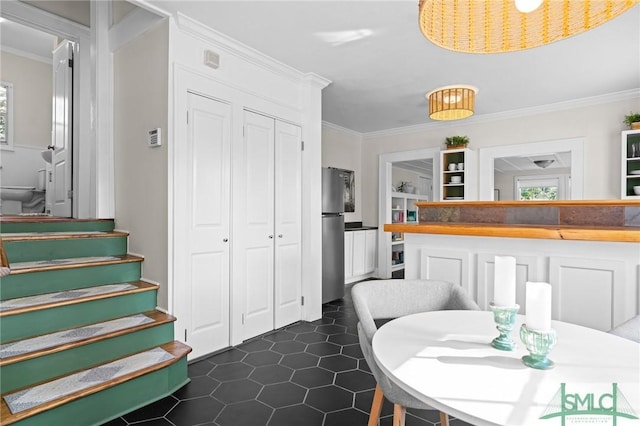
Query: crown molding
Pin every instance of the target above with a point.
(42, 20)
(340, 129)
(27, 55)
(516, 113)
(249, 54)
(316, 80)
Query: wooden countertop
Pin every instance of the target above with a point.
(550, 232)
(532, 203)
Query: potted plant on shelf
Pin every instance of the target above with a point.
(632, 120)
(455, 142)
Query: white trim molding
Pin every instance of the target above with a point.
(516, 113)
(487, 156)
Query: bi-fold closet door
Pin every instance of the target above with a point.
(267, 225)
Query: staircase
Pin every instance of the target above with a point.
(81, 342)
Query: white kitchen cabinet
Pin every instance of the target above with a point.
(361, 251)
(267, 225)
(371, 250)
(348, 255)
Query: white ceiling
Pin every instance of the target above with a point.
(381, 65)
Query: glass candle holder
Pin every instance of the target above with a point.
(505, 318)
(539, 344)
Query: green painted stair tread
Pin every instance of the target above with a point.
(45, 280)
(79, 262)
(77, 313)
(35, 367)
(137, 388)
(38, 249)
(52, 224)
(59, 235)
(33, 303)
(67, 339)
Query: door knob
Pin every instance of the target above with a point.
(270, 236)
(51, 147)
(224, 240)
(279, 235)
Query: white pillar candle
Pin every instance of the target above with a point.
(538, 306)
(504, 281)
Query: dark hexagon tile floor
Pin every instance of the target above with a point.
(306, 374)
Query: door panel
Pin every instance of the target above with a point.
(62, 127)
(255, 225)
(288, 226)
(207, 278)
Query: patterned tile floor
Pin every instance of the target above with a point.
(306, 374)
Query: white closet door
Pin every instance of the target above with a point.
(256, 227)
(288, 226)
(205, 301)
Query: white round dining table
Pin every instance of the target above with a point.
(445, 359)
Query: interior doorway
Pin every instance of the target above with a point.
(404, 177)
(36, 162)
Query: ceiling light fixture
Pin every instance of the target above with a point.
(543, 164)
(494, 26)
(526, 6)
(451, 102)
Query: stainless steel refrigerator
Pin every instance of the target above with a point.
(333, 181)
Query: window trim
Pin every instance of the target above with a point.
(9, 129)
(563, 181)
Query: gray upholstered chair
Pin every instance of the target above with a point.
(629, 329)
(387, 299)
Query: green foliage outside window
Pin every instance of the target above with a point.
(539, 193)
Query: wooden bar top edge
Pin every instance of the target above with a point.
(532, 203)
(550, 232)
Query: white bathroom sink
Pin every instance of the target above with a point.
(46, 155)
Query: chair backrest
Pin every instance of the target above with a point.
(629, 329)
(382, 299)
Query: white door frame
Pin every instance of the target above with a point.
(384, 202)
(85, 156)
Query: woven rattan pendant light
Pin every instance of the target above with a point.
(494, 26)
(451, 102)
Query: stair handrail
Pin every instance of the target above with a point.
(5, 268)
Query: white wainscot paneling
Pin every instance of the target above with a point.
(527, 269)
(446, 265)
(599, 285)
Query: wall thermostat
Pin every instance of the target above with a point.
(155, 137)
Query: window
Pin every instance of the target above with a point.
(540, 187)
(6, 115)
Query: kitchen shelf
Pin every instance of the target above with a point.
(630, 162)
(466, 188)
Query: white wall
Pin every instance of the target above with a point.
(141, 104)
(32, 92)
(402, 175)
(600, 125)
(20, 166)
(342, 148)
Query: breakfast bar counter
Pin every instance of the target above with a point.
(589, 251)
(584, 233)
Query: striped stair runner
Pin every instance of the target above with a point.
(78, 327)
